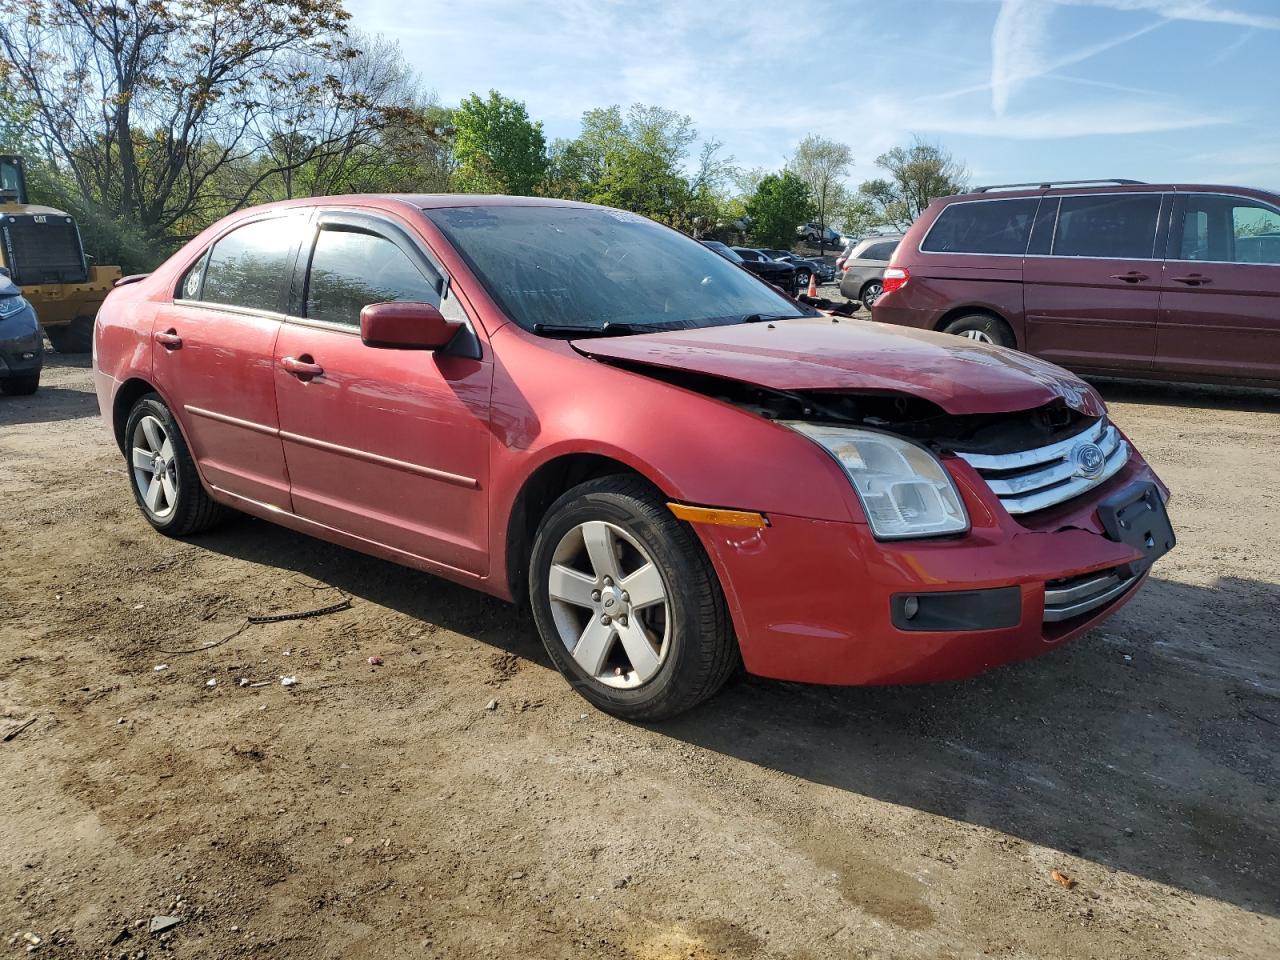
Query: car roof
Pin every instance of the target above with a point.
(1067, 189)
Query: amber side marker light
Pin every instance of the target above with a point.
(722, 518)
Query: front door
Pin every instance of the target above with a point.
(213, 353)
(1092, 295)
(388, 445)
(1220, 303)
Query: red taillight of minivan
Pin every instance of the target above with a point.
(895, 278)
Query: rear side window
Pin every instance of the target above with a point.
(351, 269)
(1228, 230)
(983, 226)
(880, 251)
(248, 267)
(1113, 226)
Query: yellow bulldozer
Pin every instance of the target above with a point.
(40, 248)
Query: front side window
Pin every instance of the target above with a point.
(248, 267)
(580, 268)
(983, 226)
(351, 269)
(1111, 226)
(1228, 230)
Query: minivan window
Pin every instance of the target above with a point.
(983, 226)
(1111, 226)
(880, 251)
(248, 267)
(1229, 230)
(351, 269)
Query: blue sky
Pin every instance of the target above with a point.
(1181, 90)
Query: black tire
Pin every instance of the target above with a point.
(73, 337)
(802, 280)
(193, 510)
(992, 328)
(21, 386)
(870, 293)
(702, 651)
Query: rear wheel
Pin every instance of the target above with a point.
(983, 328)
(871, 293)
(73, 337)
(21, 386)
(165, 482)
(627, 602)
(802, 280)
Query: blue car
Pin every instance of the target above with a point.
(21, 343)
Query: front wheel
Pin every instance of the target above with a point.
(983, 328)
(627, 602)
(165, 482)
(21, 386)
(73, 337)
(802, 281)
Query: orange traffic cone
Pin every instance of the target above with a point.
(813, 284)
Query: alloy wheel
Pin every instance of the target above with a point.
(980, 335)
(873, 292)
(609, 604)
(155, 472)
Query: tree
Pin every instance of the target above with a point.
(918, 174)
(497, 147)
(142, 103)
(781, 200)
(822, 165)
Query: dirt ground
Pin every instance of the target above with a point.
(385, 812)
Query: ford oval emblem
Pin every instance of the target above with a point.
(1089, 460)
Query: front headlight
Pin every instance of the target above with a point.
(904, 490)
(11, 305)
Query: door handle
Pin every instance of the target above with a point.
(1133, 276)
(1192, 280)
(304, 368)
(169, 339)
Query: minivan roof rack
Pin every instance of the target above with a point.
(1047, 184)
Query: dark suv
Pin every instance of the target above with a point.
(1116, 277)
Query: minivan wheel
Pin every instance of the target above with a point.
(983, 328)
(871, 293)
(627, 602)
(165, 482)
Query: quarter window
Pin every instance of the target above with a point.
(351, 269)
(880, 251)
(1229, 230)
(983, 226)
(1111, 226)
(248, 267)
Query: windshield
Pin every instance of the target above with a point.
(584, 267)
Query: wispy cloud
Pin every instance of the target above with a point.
(1198, 11)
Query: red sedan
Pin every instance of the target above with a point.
(676, 466)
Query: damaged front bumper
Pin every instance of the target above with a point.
(825, 602)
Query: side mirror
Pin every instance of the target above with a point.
(406, 326)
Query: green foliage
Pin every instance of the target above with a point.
(780, 202)
(822, 164)
(497, 147)
(918, 174)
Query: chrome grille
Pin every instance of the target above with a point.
(1064, 599)
(1032, 480)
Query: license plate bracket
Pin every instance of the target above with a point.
(1136, 516)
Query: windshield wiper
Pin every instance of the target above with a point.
(762, 317)
(607, 329)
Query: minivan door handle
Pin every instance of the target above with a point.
(169, 339)
(1192, 279)
(1133, 276)
(304, 368)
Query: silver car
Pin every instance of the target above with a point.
(863, 266)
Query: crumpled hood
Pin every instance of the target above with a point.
(961, 376)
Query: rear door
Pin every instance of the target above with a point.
(391, 446)
(1092, 280)
(1220, 301)
(213, 355)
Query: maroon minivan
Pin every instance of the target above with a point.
(1170, 282)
